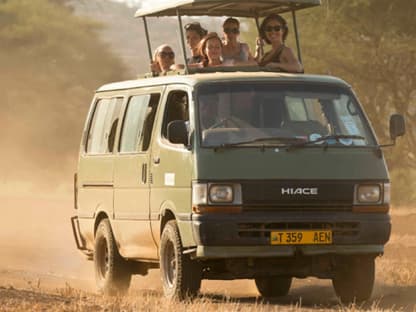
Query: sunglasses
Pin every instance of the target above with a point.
(231, 31)
(164, 54)
(276, 28)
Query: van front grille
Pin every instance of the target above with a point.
(292, 194)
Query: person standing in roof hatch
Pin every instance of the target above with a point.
(163, 60)
(194, 33)
(232, 48)
(274, 30)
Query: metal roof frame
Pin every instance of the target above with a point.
(238, 8)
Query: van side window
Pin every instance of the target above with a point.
(176, 109)
(149, 120)
(102, 131)
(138, 122)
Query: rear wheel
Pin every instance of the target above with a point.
(354, 280)
(112, 273)
(181, 276)
(273, 286)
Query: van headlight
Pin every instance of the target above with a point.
(221, 193)
(216, 197)
(377, 193)
(368, 194)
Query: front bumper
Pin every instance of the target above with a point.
(231, 252)
(248, 234)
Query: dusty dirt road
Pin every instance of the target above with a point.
(40, 269)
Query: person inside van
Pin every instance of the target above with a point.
(208, 110)
(194, 33)
(273, 31)
(233, 49)
(244, 108)
(163, 60)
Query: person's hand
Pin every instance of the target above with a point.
(177, 67)
(273, 65)
(259, 43)
(259, 48)
(154, 67)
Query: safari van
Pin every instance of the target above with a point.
(230, 175)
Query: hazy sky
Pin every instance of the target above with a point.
(142, 3)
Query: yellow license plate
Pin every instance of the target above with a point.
(312, 237)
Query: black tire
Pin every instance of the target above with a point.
(181, 276)
(354, 281)
(112, 273)
(273, 286)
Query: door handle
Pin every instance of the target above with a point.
(144, 173)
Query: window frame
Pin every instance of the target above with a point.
(93, 113)
(139, 143)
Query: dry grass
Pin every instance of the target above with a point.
(69, 299)
(32, 278)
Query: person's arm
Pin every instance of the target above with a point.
(259, 49)
(155, 68)
(288, 62)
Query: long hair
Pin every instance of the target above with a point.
(269, 18)
(203, 45)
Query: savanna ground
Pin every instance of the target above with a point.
(41, 270)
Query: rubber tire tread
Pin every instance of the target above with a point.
(355, 281)
(189, 273)
(273, 286)
(117, 281)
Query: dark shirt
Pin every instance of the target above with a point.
(268, 58)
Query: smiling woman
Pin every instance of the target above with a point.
(274, 31)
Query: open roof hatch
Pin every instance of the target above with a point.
(237, 8)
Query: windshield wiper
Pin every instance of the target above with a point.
(282, 140)
(336, 137)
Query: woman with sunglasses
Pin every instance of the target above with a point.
(274, 30)
(194, 33)
(163, 60)
(234, 50)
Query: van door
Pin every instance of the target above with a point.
(95, 171)
(171, 165)
(131, 224)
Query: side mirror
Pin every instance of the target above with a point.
(397, 126)
(178, 132)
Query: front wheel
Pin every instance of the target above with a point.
(354, 281)
(112, 272)
(273, 286)
(181, 276)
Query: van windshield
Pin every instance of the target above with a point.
(279, 114)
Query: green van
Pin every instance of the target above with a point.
(229, 175)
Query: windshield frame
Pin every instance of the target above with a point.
(327, 86)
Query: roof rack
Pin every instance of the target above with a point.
(239, 8)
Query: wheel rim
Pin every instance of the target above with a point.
(102, 259)
(169, 264)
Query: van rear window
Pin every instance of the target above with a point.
(102, 131)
